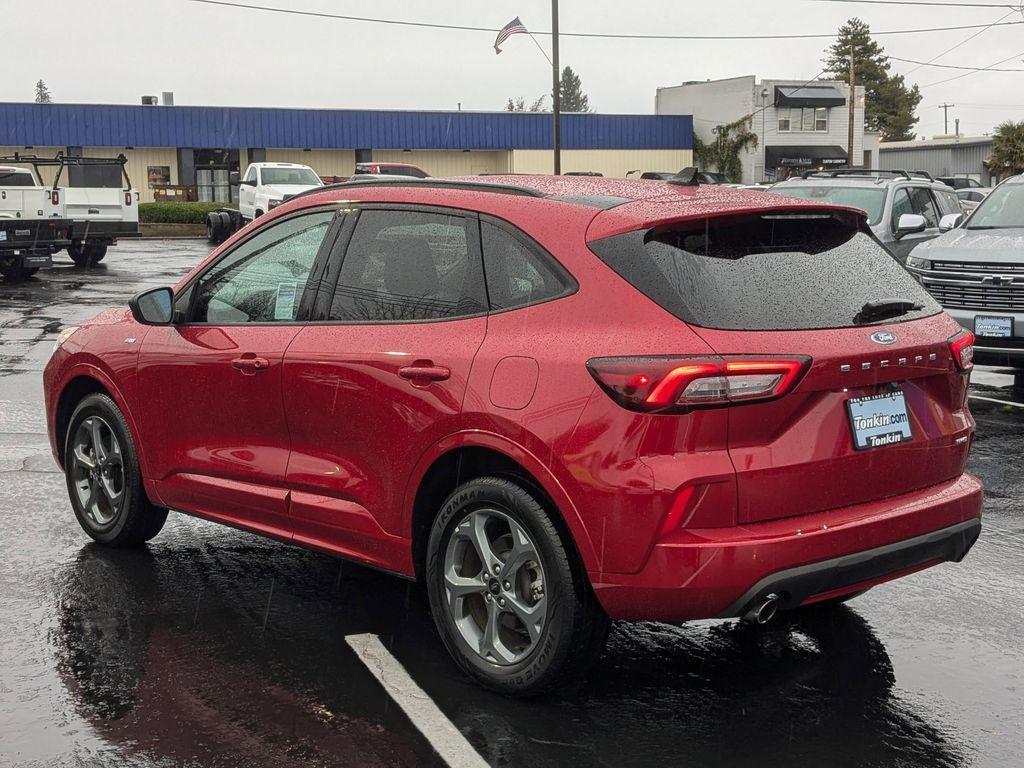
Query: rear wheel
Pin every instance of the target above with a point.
(103, 476)
(77, 253)
(87, 254)
(16, 274)
(95, 252)
(511, 607)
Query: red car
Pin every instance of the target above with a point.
(555, 401)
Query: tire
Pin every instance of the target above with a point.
(103, 476)
(548, 585)
(29, 271)
(256, 214)
(78, 254)
(213, 227)
(226, 226)
(95, 252)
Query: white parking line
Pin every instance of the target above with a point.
(994, 400)
(443, 736)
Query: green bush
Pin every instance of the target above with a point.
(177, 213)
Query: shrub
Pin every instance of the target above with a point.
(177, 213)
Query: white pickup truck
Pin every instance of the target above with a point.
(266, 185)
(32, 228)
(94, 194)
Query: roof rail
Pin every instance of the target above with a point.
(432, 183)
(922, 174)
(854, 172)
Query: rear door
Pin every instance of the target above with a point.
(879, 412)
(381, 376)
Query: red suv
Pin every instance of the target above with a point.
(555, 401)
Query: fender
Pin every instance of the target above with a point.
(512, 450)
(93, 371)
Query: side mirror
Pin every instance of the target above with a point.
(153, 307)
(234, 179)
(909, 223)
(950, 221)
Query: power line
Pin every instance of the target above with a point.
(953, 66)
(925, 2)
(972, 72)
(602, 35)
(962, 42)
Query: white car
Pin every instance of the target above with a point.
(267, 185)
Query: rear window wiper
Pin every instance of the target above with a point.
(884, 308)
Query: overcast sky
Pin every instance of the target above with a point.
(113, 51)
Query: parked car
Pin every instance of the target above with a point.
(266, 185)
(704, 177)
(91, 202)
(976, 272)
(391, 169)
(429, 379)
(970, 197)
(960, 182)
(904, 208)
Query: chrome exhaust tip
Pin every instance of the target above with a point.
(764, 611)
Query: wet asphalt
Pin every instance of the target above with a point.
(214, 647)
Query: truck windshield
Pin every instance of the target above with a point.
(290, 176)
(16, 179)
(1002, 209)
(871, 200)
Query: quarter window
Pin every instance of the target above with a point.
(516, 274)
(263, 279)
(409, 265)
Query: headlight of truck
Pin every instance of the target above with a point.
(272, 204)
(915, 262)
(63, 336)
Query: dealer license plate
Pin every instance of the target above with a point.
(879, 420)
(1000, 327)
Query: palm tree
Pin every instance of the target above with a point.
(1007, 150)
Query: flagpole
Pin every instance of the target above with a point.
(556, 96)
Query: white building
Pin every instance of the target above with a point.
(799, 125)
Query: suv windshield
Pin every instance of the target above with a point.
(1003, 208)
(290, 176)
(871, 200)
(765, 272)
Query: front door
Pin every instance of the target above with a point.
(215, 435)
(369, 390)
(917, 200)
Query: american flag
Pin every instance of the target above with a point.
(514, 27)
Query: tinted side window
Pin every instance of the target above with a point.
(900, 205)
(262, 280)
(409, 265)
(16, 179)
(516, 274)
(922, 202)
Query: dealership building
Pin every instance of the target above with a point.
(800, 125)
(176, 151)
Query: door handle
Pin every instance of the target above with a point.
(424, 373)
(249, 364)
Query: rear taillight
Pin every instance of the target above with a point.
(54, 197)
(961, 347)
(128, 198)
(680, 384)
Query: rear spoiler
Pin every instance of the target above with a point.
(61, 161)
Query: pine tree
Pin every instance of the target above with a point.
(573, 99)
(43, 93)
(889, 104)
(518, 104)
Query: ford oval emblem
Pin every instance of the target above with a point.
(883, 337)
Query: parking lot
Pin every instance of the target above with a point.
(217, 647)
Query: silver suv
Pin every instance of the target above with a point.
(976, 271)
(904, 208)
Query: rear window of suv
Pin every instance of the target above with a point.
(871, 200)
(764, 272)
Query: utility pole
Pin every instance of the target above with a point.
(556, 90)
(945, 116)
(852, 108)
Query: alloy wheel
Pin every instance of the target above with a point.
(97, 470)
(494, 586)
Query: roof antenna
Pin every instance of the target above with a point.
(686, 177)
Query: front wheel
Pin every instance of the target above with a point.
(511, 606)
(104, 479)
(17, 274)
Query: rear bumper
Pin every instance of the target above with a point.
(720, 572)
(104, 230)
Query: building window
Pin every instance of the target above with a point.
(806, 120)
